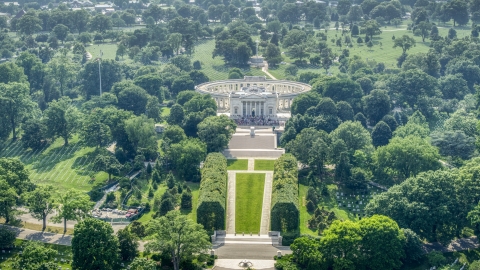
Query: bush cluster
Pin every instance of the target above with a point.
(213, 193)
(285, 214)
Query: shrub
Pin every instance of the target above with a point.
(7, 237)
(186, 201)
(213, 193)
(284, 212)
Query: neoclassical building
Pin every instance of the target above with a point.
(254, 96)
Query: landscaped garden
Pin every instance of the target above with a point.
(248, 202)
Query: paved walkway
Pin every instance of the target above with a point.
(267, 202)
(231, 201)
(251, 164)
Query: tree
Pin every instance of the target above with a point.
(15, 103)
(152, 84)
(273, 55)
(423, 29)
(381, 134)
(454, 143)
(306, 253)
(453, 86)
(100, 23)
(61, 119)
(36, 255)
(176, 115)
(355, 136)
(186, 157)
(405, 42)
(376, 105)
(72, 205)
(89, 78)
(63, 70)
(143, 264)
(340, 243)
(175, 41)
(294, 37)
(8, 198)
(426, 204)
(413, 246)
(458, 11)
(343, 6)
(41, 202)
(133, 99)
(80, 19)
(94, 246)
(107, 163)
(355, 14)
(216, 132)
(379, 232)
(141, 135)
(7, 237)
(372, 28)
(94, 131)
(29, 24)
(341, 89)
(408, 86)
(60, 31)
(128, 245)
(178, 235)
(405, 157)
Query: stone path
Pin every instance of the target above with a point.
(251, 164)
(267, 202)
(233, 264)
(231, 202)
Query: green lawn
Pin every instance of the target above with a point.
(215, 68)
(382, 51)
(109, 51)
(248, 202)
(64, 167)
(64, 252)
(264, 165)
(237, 164)
(192, 214)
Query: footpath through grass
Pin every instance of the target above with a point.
(237, 164)
(263, 165)
(248, 202)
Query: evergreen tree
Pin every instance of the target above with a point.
(381, 134)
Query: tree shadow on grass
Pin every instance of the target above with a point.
(47, 161)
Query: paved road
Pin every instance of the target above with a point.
(44, 237)
(251, 252)
(231, 202)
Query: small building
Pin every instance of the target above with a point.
(102, 7)
(159, 128)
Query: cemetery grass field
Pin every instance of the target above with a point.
(64, 252)
(248, 202)
(38, 227)
(264, 165)
(237, 164)
(382, 51)
(65, 167)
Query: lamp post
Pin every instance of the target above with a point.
(99, 59)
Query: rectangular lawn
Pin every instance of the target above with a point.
(264, 165)
(248, 202)
(237, 164)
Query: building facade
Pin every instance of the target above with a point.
(254, 96)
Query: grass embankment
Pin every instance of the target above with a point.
(248, 202)
(65, 167)
(237, 164)
(263, 165)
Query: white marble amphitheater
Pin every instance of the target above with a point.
(254, 97)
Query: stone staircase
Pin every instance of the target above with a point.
(247, 239)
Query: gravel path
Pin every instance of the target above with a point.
(231, 202)
(267, 202)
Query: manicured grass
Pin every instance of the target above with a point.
(65, 167)
(264, 165)
(192, 214)
(7, 259)
(237, 164)
(215, 68)
(109, 51)
(248, 202)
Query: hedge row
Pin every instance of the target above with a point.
(213, 193)
(285, 215)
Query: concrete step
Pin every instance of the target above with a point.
(247, 239)
(252, 153)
